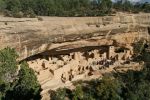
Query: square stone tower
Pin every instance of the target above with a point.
(111, 52)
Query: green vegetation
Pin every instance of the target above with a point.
(8, 69)
(127, 6)
(140, 51)
(2, 5)
(30, 8)
(14, 84)
(132, 85)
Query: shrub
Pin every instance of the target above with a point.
(40, 18)
(18, 14)
(27, 87)
(8, 69)
(14, 85)
(29, 13)
(8, 65)
(59, 95)
(7, 13)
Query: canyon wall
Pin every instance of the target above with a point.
(30, 36)
(64, 49)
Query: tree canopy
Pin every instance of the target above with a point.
(30, 8)
(131, 85)
(16, 84)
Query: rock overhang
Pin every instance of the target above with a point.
(30, 36)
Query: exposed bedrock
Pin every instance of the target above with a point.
(64, 49)
(29, 36)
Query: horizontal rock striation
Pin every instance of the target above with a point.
(30, 36)
(64, 49)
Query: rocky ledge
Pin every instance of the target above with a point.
(65, 49)
(30, 36)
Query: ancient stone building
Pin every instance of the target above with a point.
(67, 67)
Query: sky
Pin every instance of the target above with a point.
(138, 0)
(146, 0)
(134, 0)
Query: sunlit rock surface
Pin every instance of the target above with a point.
(30, 36)
(66, 49)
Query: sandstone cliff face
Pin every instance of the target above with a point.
(68, 37)
(29, 36)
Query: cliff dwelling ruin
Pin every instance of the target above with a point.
(56, 69)
(63, 50)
